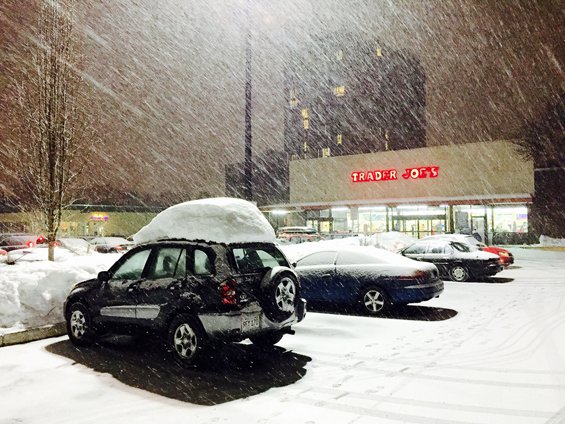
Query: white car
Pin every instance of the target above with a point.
(111, 244)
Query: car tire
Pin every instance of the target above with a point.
(267, 340)
(185, 340)
(374, 301)
(80, 329)
(280, 296)
(459, 273)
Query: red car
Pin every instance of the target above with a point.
(506, 258)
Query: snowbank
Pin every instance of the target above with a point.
(222, 220)
(553, 242)
(392, 240)
(32, 292)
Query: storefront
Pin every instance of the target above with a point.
(482, 188)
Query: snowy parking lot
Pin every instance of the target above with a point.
(489, 352)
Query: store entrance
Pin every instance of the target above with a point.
(418, 226)
(478, 227)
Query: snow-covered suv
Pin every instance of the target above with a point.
(190, 294)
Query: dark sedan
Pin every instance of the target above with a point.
(367, 278)
(15, 241)
(456, 261)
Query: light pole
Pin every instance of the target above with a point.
(248, 164)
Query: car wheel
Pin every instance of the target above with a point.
(374, 301)
(80, 329)
(185, 340)
(267, 340)
(458, 273)
(280, 296)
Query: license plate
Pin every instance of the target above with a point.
(249, 322)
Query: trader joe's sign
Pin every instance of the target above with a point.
(392, 174)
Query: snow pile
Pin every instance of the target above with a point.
(40, 253)
(551, 242)
(221, 220)
(392, 240)
(32, 292)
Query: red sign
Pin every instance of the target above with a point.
(392, 174)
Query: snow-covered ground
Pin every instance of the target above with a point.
(481, 353)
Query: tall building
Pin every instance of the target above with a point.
(348, 95)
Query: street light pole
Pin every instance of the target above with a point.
(248, 165)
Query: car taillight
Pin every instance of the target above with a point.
(418, 275)
(29, 244)
(227, 292)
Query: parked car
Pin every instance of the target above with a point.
(455, 260)
(190, 294)
(15, 241)
(294, 235)
(506, 257)
(110, 244)
(367, 278)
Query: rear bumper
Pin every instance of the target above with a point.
(491, 269)
(417, 293)
(251, 320)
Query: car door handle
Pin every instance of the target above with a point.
(133, 287)
(326, 275)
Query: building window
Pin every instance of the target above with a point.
(339, 91)
(339, 54)
(379, 52)
(293, 101)
(326, 153)
(339, 139)
(305, 147)
(306, 122)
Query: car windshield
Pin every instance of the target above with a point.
(462, 247)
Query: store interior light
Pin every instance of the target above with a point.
(411, 207)
(279, 212)
(372, 209)
(430, 212)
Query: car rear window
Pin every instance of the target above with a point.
(253, 259)
(318, 259)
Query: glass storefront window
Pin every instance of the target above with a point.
(419, 220)
(510, 219)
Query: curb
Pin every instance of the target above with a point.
(547, 248)
(32, 334)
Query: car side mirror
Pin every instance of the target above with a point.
(294, 264)
(104, 276)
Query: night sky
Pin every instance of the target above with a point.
(167, 77)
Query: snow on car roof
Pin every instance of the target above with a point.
(221, 220)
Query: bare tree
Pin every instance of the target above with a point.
(50, 116)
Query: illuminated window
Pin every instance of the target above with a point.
(339, 91)
(305, 113)
(339, 55)
(339, 139)
(326, 152)
(306, 123)
(293, 101)
(305, 147)
(379, 52)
